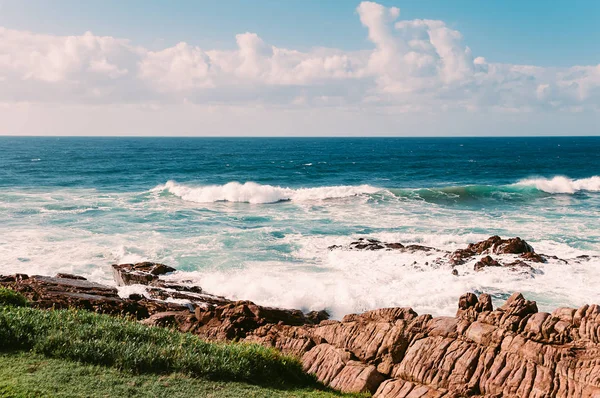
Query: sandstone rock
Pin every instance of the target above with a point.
(334, 367)
(292, 340)
(236, 320)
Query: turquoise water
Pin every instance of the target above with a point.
(253, 218)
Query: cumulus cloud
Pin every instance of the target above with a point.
(413, 65)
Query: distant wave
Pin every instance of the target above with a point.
(563, 184)
(251, 192)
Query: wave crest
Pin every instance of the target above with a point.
(561, 184)
(251, 192)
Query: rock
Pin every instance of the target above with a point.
(70, 276)
(47, 292)
(141, 273)
(335, 368)
(374, 244)
(533, 257)
(13, 278)
(317, 316)
(467, 301)
(183, 320)
(460, 256)
(512, 246)
(495, 245)
(292, 340)
(236, 320)
(484, 262)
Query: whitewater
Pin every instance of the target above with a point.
(254, 219)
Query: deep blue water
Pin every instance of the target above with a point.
(130, 164)
(252, 217)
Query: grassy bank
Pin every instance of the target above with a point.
(74, 340)
(25, 375)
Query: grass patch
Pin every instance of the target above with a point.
(10, 297)
(24, 375)
(127, 345)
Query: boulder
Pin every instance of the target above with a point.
(141, 273)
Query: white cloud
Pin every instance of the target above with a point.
(413, 66)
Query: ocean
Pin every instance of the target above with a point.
(253, 218)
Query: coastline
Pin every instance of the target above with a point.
(391, 352)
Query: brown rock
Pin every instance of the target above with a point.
(533, 257)
(486, 261)
(47, 292)
(140, 273)
(70, 276)
(493, 244)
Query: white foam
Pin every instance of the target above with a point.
(349, 282)
(251, 192)
(278, 255)
(561, 184)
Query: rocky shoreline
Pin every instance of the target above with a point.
(511, 351)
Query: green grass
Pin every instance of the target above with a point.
(25, 375)
(68, 352)
(10, 297)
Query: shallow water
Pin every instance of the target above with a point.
(253, 218)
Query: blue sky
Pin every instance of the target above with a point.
(299, 67)
(538, 32)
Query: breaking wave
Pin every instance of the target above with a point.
(561, 184)
(251, 192)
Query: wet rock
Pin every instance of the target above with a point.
(493, 244)
(13, 278)
(484, 262)
(70, 276)
(141, 273)
(317, 316)
(533, 257)
(48, 292)
(366, 244)
(512, 246)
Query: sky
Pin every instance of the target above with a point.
(293, 68)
